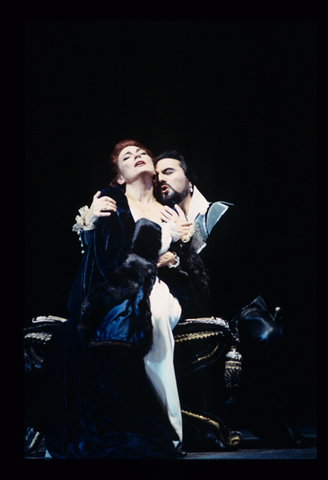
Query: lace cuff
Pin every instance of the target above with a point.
(177, 261)
(176, 236)
(80, 221)
(187, 237)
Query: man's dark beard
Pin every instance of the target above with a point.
(173, 197)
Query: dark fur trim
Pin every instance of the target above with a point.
(197, 281)
(147, 239)
(123, 283)
(138, 270)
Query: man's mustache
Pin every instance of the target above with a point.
(164, 187)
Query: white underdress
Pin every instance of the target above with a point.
(159, 364)
(166, 312)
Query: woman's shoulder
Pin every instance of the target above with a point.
(118, 195)
(113, 192)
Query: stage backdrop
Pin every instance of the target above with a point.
(238, 99)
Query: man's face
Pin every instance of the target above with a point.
(173, 184)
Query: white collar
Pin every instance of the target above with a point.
(198, 204)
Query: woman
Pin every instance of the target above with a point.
(112, 401)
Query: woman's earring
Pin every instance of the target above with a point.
(191, 189)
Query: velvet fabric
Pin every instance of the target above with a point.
(97, 402)
(221, 256)
(108, 247)
(118, 310)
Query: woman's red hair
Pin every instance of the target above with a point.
(113, 169)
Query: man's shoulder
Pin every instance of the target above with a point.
(221, 204)
(218, 210)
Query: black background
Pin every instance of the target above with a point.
(237, 98)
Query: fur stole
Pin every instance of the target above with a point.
(132, 281)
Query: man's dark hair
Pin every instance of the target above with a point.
(186, 167)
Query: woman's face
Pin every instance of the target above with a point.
(131, 162)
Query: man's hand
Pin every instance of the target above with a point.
(181, 223)
(100, 207)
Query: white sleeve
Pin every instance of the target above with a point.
(169, 235)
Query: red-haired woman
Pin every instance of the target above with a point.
(101, 397)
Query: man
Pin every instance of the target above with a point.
(216, 232)
(216, 239)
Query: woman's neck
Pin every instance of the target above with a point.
(141, 191)
(142, 202)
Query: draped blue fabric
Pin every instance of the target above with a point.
(123, 323)
(97, 401)
(107, 249)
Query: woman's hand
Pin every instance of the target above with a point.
(100, 207)
(166, 259)
(181, 224)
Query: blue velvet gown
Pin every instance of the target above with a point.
(99, 402)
